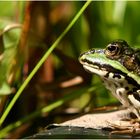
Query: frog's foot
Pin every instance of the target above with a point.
(129, 129)
(133, 121)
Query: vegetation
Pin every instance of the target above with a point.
(50, 36)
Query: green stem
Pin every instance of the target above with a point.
(25, 83)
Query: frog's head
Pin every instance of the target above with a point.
(117, 59)
(117, 56)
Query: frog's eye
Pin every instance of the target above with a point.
(112, 50)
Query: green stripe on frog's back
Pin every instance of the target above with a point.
(100, 58)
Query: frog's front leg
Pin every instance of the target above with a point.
(134, 99)
(129, 126)
(132, 130)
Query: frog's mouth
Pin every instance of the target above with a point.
(100, 68)
(95, 69)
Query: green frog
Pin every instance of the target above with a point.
(118, 65)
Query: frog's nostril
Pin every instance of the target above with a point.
(92, 50)
(81, 55)
(86, 53)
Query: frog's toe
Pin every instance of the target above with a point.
(135, 121)
(132, 130)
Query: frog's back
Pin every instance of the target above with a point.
(138, 61)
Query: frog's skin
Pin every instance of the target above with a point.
(118, 65)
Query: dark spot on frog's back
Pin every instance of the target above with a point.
(136, 96)
(126, 88)
(107, 75)
(116, 75)
(132, 81)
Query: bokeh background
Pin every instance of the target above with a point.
(28, 29)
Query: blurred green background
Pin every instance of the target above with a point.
(28, 29)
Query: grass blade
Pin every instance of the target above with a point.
(42, 60)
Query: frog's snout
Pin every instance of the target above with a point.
(87, 52)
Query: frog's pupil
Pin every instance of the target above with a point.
(112, 48)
